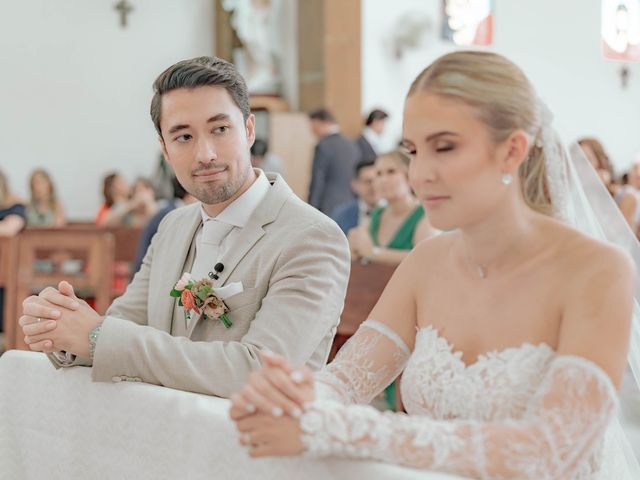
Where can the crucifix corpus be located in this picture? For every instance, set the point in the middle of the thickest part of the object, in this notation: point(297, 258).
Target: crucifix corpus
point(124, 8)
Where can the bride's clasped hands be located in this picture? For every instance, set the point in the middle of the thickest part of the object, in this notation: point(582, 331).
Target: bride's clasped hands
point(268, 410)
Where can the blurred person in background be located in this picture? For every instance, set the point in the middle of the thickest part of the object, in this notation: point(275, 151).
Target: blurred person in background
point(45, 208)
point(122, 206)
point(370, 141)
point(12, 211)
point(351, 214)
point(263, 159)
point(626, 196)
point(394, 229)
point(334, 161)
point(115, 191)
point(180, 198)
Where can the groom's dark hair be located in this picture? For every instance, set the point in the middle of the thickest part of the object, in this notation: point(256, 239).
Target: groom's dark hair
point(200, 72)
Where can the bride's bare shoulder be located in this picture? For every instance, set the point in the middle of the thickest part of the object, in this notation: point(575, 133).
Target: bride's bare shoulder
point(580, 254)
point(429, 251)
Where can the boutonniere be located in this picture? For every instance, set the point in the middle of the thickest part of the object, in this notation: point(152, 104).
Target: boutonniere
point(200, 298)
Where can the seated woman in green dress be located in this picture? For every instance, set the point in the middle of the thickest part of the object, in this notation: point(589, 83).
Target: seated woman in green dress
point(392, 230)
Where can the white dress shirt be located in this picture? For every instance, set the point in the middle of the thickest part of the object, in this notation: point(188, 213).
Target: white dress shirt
point(235, 216)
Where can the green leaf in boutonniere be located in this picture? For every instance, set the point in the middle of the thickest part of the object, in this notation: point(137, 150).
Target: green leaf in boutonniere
point(175, 293)
point(226, 321)
point(204, 291)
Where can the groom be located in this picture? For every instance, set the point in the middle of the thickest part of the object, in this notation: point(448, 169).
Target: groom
point(284, 266)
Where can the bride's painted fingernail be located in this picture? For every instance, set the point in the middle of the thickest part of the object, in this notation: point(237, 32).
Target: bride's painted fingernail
point(250, 408)
point(296, 376)
point(276, 412)
point(296, 413)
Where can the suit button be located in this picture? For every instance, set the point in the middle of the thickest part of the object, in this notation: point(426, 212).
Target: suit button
point(116, 379)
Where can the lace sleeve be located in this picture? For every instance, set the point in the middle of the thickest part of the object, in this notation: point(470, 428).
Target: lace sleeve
point(364, 366)
point(556, 438)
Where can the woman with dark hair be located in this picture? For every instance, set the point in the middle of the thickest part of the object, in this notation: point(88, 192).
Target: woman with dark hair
point(115, 192)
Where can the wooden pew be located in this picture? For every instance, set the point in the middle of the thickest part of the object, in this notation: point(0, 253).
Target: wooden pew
point(366, 284)
point(85, 258)
point(8, 268)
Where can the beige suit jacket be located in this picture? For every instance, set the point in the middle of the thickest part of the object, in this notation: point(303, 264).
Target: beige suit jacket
point(293, 262)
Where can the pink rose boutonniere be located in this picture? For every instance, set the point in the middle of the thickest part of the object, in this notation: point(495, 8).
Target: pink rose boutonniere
point(200, 298)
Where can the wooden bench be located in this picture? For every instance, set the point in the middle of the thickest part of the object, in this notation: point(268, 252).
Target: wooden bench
point(8, 262)
point(44, 257)
point(366, 284)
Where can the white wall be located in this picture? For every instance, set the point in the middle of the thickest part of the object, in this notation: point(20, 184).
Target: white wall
point(555, 42)
point(75, 88)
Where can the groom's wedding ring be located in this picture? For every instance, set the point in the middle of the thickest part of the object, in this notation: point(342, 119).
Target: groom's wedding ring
point(38, 320)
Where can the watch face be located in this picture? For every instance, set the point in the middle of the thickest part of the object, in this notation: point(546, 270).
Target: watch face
point(94, 333)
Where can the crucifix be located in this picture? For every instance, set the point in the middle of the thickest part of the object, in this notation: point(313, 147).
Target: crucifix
point(624, 76)
point(124, 8)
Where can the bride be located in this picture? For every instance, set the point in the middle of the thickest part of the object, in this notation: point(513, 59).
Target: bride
point(512, 329)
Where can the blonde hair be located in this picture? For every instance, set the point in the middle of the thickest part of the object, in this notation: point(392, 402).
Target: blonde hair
point(53, 198)
point(505, 102)
point(398, 156)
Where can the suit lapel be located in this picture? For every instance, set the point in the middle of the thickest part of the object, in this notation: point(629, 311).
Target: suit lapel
point(174, 264)
point(266, 213)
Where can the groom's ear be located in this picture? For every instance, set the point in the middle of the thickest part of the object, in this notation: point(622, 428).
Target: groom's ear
point(516, 148)
point(163, 147)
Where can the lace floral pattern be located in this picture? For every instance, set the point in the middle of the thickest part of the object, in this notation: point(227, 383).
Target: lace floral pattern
point(520, 413)
point(512, 376)
point(357, 376)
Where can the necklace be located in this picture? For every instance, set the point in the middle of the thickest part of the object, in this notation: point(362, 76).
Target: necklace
point(481, 269)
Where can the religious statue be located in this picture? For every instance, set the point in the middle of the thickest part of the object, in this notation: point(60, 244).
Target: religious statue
point(468, 22)
point(256, 24)
point(621, 29)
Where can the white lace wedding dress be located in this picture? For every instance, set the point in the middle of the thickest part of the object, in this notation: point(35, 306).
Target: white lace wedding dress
point(524, 412)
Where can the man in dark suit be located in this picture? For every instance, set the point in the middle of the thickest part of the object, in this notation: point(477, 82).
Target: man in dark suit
point(351, 214)
point(334, 162)
point(369, 141)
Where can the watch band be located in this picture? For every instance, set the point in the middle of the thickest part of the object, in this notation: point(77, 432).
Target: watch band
point(93, 339)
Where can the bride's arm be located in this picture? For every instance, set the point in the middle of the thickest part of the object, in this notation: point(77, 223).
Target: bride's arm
point(379, 350)
point(562, 427)
point(565, 420)
point(364, 366)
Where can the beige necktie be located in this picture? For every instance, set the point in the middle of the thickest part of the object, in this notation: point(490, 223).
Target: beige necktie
point(208, 248)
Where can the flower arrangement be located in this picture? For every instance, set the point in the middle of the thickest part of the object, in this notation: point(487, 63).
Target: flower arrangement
point(200, 298)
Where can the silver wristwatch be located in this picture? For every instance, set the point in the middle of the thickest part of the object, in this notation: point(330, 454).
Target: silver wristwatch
point(93, 338)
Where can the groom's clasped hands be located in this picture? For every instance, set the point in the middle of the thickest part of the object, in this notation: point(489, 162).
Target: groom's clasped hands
point(267, 410)
point(56, 320)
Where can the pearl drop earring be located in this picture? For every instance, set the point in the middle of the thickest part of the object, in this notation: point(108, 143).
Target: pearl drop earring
point(507, 178)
